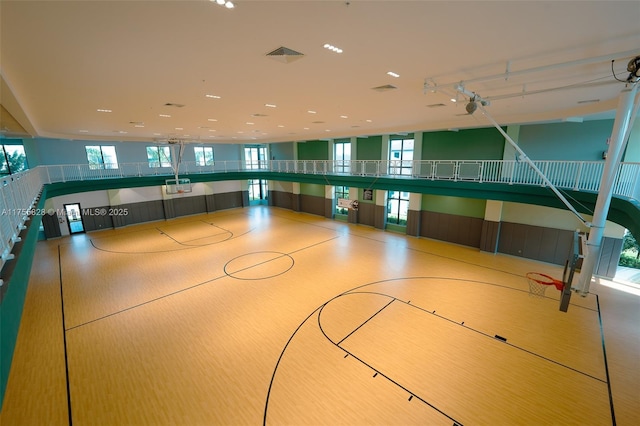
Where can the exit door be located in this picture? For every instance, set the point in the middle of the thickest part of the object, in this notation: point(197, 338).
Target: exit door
point(74, 218)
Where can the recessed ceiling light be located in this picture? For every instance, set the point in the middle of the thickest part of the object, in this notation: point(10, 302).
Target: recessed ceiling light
point(139, 125)
point(369, 121)
point(249, 123)
point(343, 116)
point(156, 134)
point(311, 112)
point(332, 48)
point(103, 110)
point(305, 128)
point(122, 132)
point(179, 128)
point(83, 131)
point(327, 130)
point(211, 119)
point(280, 125)
point(393, 74)
point(454, 100)
point(165, 115)
point(270, 105)
point(212, 130)
point(213, 96)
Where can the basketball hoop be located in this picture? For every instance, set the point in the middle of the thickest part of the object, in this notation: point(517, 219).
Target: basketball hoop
point(538, 283)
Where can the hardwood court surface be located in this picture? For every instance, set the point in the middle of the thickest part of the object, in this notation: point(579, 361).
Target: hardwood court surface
point(266, 316)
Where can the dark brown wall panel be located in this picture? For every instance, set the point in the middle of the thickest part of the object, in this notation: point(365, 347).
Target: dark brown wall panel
point(451, 228)
point(312, 204)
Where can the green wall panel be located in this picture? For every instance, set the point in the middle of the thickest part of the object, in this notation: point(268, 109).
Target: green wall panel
point(471, 207)
point(473, 144)
point(312, 189)
point(16, 290)
point(369, 148)
point(313, 150)
point(566, 141)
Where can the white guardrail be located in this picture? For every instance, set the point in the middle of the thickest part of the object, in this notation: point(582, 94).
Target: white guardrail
point(18, 192)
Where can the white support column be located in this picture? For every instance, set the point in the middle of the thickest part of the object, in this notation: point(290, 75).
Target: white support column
point(619, 137)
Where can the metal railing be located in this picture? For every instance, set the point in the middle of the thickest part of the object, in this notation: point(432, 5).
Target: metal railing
point(19, 192)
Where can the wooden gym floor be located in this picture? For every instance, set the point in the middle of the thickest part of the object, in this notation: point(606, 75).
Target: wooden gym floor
point(266, 316)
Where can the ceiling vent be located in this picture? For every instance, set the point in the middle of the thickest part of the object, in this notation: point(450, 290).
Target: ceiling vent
point(285, 55)
point(171, 104)
point(384, 88)
point(435, 105)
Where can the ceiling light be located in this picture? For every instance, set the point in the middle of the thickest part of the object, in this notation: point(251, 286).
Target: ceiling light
point(139, 125)
point(311, 112)
point(212, 130)
point(369, 121)
point(211, 119)
point(165, 115)
point(220, 2)
point(179, 128)
point(332, 48)
point(250, 123)
point(454, 100)
point(103, 110)
point(229, 5)
point(83, 131)
point(212, 96)
point(393, 74)
point(270, 105)
point(343, 116)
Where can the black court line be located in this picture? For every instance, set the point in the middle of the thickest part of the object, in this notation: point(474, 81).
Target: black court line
point(606, 365)
point(184, 243)
point(371, 366)
point(425, 251)
point(184, 246)
point(264, 262)
point(358, 327)
point(181, 290)
point(146, 302)
point(492, 337)
point(64, 340)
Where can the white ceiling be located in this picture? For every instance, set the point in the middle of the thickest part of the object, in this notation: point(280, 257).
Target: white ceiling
point(61, 61)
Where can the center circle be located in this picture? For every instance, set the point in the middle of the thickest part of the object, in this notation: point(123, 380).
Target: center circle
point(258, 265)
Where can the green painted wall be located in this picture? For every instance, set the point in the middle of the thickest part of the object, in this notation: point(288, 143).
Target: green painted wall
point(369, 148)
point(312, 189)
point(313, 150)
point(566, 141)
point(473, 144)
point(470, 207)
point(16, 290)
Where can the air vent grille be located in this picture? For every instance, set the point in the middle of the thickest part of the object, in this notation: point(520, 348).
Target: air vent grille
point(171, 104)
point(384, 88)
point(285, 55)
point(435, 105)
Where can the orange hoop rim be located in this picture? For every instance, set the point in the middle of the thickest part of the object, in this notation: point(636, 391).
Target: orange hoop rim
point(551, 281)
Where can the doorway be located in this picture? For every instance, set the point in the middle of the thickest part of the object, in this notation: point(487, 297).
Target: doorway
point(74, 218)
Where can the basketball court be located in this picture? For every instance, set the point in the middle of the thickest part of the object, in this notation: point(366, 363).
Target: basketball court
point(266, 316)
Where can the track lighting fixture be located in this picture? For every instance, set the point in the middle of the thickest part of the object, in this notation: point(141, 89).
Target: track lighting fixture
point(472, 106)
point(634, 68)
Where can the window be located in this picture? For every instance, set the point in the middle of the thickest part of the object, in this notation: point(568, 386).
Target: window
point(101, 157)
point(204, 155)
point(342, 157)
point(258, 190)
point(341, 192)
point(397, 207)
point(159, 156)
point(400, 156)
point(13, 159)
point(255, 157)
